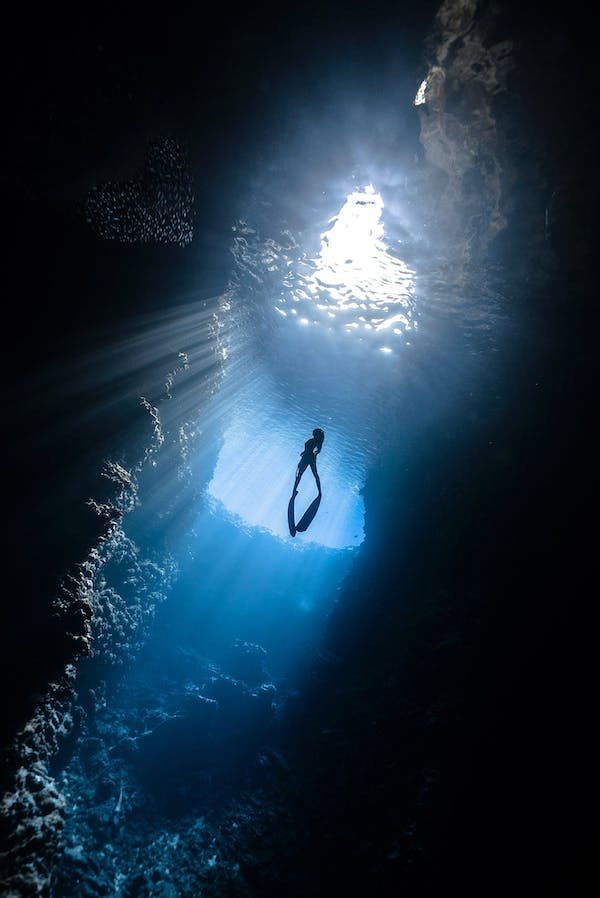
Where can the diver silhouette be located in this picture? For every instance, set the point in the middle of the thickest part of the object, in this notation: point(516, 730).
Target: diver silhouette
point(312, 447)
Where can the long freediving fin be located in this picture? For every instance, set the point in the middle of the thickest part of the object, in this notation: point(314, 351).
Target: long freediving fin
point(291, 523)
point(308, 516)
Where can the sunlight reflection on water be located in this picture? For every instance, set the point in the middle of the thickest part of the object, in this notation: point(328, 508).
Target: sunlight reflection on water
point(356, 284)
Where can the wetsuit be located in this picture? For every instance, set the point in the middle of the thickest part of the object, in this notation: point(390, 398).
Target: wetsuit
point(309, 457)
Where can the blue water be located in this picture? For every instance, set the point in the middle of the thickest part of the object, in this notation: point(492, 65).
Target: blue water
point(209, 614)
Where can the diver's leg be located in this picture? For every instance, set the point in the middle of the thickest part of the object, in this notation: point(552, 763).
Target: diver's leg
point(297, 480)
point(299, 472)
point(313, 467)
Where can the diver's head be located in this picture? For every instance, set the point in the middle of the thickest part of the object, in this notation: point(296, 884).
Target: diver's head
point(318, 434)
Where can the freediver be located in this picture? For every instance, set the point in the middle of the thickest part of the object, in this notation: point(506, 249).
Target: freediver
point(308, 456)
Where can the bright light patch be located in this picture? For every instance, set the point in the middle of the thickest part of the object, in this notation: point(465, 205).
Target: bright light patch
point(355, 271)
point(421, 97)
point(254, 476)
point(356, 231)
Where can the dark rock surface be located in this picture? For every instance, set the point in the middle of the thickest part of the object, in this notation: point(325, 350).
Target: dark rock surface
point(464, 143)
point(161, 779)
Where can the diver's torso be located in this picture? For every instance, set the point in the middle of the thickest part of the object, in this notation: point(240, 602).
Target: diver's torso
point(309, 448)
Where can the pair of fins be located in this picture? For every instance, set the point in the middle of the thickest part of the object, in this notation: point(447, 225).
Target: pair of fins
point(306, 519)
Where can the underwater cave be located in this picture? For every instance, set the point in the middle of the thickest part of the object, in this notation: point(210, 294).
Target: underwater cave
point(375, 223)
